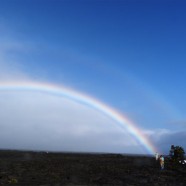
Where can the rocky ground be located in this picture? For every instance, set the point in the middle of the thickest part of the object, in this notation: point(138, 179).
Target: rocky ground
point(57, 169)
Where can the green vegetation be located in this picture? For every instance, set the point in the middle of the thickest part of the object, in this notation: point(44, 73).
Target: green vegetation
point(177, 153)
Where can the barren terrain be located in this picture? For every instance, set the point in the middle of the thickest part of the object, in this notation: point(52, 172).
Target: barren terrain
point(26, 168)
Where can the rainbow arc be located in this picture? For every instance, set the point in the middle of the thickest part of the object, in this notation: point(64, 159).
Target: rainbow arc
point(56, 90)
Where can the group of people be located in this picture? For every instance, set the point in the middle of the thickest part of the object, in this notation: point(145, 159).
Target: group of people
point(161, 160)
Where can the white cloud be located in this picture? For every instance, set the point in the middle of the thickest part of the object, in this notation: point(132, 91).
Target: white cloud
point(31, 120)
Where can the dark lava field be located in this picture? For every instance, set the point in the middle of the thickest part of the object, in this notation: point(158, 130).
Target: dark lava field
point(26, 168)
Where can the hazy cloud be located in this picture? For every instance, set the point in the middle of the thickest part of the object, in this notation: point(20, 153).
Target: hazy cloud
point(164, 138)
point(43, 122)
point(10, 68)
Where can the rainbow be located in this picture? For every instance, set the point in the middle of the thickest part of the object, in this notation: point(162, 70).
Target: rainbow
point(71, 94)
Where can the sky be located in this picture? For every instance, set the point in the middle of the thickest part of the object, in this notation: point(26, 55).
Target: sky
point(127, 55)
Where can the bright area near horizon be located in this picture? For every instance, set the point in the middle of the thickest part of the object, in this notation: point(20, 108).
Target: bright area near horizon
point(129, 55)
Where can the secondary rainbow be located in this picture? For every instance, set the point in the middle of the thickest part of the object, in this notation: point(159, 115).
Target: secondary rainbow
point(82, 98)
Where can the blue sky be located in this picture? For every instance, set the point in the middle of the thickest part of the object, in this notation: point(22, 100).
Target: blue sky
point(127, 54)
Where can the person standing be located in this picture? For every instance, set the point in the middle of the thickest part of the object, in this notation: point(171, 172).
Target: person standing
point(162, 162)
point(156, 156)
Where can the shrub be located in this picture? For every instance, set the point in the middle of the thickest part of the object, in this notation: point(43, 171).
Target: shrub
point(178, 153)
